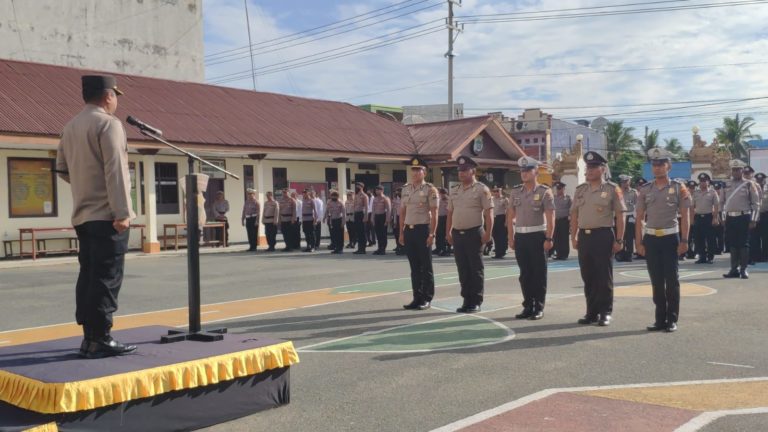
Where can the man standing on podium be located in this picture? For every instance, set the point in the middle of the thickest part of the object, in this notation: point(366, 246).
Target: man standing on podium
point(93, 158)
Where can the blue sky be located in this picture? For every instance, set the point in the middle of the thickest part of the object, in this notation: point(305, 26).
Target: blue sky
point(572, 68)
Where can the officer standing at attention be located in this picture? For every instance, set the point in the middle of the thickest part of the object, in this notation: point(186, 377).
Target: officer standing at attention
point(269, 218)
point(441, 247)
point(663, 200)
point(349, 208)
point(250, 219)
point(93, 158)
point(361, 209)
point(288, 220)
point(630, 198)
point(308, 220)
point(720, 229)
point(500, 204)
point(691, 185)
point(334, 215)
point(382, 212)
point(531, 224)
point(469, 210)
point(418, 211)
point(596, 204)
point(320, 210)
point(706, 215)
point(397, 226)
point(563, 203)
point(754, 234)
point(742, 208)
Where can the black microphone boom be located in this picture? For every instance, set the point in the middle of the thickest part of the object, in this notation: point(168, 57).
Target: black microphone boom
point(143, 126)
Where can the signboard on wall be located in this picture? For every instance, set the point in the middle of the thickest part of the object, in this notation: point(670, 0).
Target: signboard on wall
point(31, 187)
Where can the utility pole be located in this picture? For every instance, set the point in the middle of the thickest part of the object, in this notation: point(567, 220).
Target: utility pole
point(645, 142)
point(250, 45)
point(451, 24)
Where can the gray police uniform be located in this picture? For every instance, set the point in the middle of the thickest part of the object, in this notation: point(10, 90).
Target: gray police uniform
point(417, 202)
point(250, 216)
point(762, 227)
point(441, 246)
point(349, 208)
point(308, 218)
point(742, 206)
point(466, 206)
point(706, 204)
point(561, 246)
point(530, 233)
point(382, 207)
point(662, 205)
point(269, 217)
point(500, 243)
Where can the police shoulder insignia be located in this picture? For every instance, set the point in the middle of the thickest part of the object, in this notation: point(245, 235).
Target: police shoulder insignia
point(543, 186)
point(517, 186)
point(677, 181)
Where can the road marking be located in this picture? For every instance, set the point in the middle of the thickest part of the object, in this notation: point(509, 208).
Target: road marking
point(4, 342)
point(207, 312)
point(731, 364)
point(347, 292)
point(706, 418)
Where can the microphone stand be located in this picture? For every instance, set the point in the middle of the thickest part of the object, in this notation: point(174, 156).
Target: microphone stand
point(195, 331)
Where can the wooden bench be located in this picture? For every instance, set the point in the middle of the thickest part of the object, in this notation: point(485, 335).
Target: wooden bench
point(178, 237)
point(39, 246)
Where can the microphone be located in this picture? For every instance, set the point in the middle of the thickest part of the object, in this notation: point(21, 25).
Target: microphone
point(142, 126)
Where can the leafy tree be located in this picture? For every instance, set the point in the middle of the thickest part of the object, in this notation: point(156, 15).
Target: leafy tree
point(651, 141)
point(734, 135)
point(619, 138)
point(673, 146)
point(629, 163)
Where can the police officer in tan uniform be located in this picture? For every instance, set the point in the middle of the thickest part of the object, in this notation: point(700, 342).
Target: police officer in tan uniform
point(382, 209)
point(468, 212)
point(397, 225)
point(288, 222)
point(309, 217)
point(349, 208)
point(93, 158)
point(500, 204)
point(720, 229)
point(441, 246)
point(269, 218)
point(762, 225)
point(596, 204)
point(334, 216)
point(361, 210)
point(563, 203)
point(663, 200)
point(630, 198)
point(250, 219)
point(742, 209)
point(418, 211)
point(706, 215)
point(531, 223)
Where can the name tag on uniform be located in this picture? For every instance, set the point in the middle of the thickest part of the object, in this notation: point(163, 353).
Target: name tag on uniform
point(604, 195)
point(536, 197)
point(671, 191)
point(422, 193)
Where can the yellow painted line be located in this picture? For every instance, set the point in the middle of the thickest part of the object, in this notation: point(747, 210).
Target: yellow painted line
point(698, 397)
point(179, 317)
point(646, 290)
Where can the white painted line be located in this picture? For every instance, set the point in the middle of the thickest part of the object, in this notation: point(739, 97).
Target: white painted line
point(4, 342)
point(485, 415)
point(347, 292)
point(731, 364)
point(209, 312)
point(706, 418)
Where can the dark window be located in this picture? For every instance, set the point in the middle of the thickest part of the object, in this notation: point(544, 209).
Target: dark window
point(167, 188)
point(248, 181)
point(367, 166)
point(399, 176)
point(535, 140)
point(279, 179)
point(331, 175)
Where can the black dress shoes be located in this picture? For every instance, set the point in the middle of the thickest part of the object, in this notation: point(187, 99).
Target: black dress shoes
point(656, 327)
point(468, 309)
point(414, 305)
point(743, 274)
point(671, 328)
point(525, 314)
point(732, 274)
point(587, 320)
point(423, 306)
point(359, 252)
point(106, 347)
point(605, 320)
point(536, 316)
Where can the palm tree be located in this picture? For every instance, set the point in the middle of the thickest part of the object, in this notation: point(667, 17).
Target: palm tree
point(651, 141)
point(673, 146)
point(619, 138)
point(734, 135)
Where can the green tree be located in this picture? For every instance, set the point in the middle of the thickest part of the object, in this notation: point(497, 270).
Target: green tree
point(629, 162)
point(619, 139)
point(734, 135)
point(651, 141)
point(673, 146)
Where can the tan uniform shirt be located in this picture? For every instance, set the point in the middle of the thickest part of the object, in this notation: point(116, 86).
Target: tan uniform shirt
point(529, 205)
point(271, 211)
point(630, 199)
point(662, 204)
point(361, 203)
point(349, 208)
point(442, 208)
point(500, 206)
point(334, 210)
point(562, 206)
point(395, 208)
point(308, 210)
point(745, 199)
point(467, 204)
point(94, 151)
point(251, 208)
point(596, 207)
point(705, 201)
point(382, 205)
point(287, 209)
point(418, 200)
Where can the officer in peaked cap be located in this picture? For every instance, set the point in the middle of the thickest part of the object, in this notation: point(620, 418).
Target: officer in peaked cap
point(418, 212)
point(469, 224)
point(640, 182)
point(597, 203)
point(630, 198)
point(530, 226)
point(742, 208)
point(748, 172)
point(706, 215)
point(94, 85)
point(662, 201)
point(500, 205)
point(563, 202)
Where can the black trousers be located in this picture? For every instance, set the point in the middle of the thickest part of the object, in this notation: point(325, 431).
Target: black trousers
point(309, 233)
point(270, 230)
point(287, 229)
point(380, 223)
point(499, 233)
point(532, 261)
point(351, 232)
point(318, 234)
point(705, 236)
point(719, 238)
point(297, 234)
point(762, 228)
point(737, 228)
point(629, 238)
point(360, 236)
point(370, 232)
point(691, 253)
point(440, 243)
point(396, 232)
point(596, 264)
point(420, 260)
point(102, 260)
point(337, 234)
point(661, 260)
point(252, 228)
point(468, 253)
point(561, 243)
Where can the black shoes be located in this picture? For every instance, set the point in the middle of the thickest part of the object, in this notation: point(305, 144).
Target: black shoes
point(338, 251)
point(732, 274)
point(605, 320)
point(537, 316)
point(415, 305)
point(656, 327)
point(743, 274)
point(379, 252)
point(587, 320)
point(469, 309)
point(271, 249)
point(671, 328)
point(525, 314)
point(104, 347)
point(309, 250)
point(360, 252)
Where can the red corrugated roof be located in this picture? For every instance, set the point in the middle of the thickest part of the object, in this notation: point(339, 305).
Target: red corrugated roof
point(38, 99)
point(443, 138)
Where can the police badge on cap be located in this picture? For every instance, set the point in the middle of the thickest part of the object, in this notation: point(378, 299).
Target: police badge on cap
point(527, 163)
point(594, 158)
point(737, 164)
point(704, 177)
point(465, 162)
point(417, 162)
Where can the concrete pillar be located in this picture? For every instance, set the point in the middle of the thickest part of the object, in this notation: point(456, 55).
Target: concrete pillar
point(151, 245)
point(259, 183)
point(341, 174)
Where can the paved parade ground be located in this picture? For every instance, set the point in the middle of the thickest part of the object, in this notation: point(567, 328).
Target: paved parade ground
point(368, 365)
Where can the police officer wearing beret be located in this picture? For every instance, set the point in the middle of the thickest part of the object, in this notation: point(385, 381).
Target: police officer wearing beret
point(630, 198)
point(563, 202)
point(706, 215)
point(468, 227)
point(418, 211)
point(93, 158)
point(530, 223)
point(662, 201)
point(596, 204)
point(762, 225)
point(742, 209)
